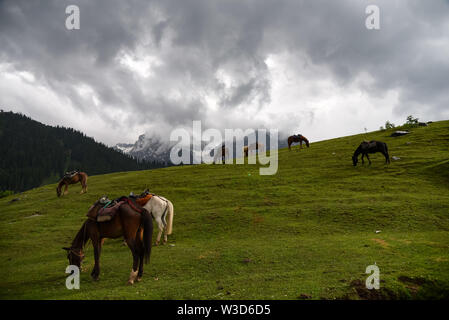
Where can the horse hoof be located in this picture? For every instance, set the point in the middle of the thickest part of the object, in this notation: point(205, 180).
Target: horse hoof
point(156, 243)
point(139, 279)
point(130, 282)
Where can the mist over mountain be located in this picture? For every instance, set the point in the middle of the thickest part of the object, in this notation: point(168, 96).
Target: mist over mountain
point(155, 149)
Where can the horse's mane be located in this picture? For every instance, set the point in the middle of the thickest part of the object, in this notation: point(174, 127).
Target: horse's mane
point(81, 237)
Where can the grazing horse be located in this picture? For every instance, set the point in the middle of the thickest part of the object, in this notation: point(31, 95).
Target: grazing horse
point(253, 147)
point(72, 178)
point(370, 147)
point(135, 227)
point(161, 209)
point(297, 138)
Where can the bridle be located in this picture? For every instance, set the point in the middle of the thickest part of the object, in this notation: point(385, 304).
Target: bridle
point(79, 255)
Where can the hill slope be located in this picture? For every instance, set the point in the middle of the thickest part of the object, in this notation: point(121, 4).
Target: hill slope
point(307, 231)
point(34, 154)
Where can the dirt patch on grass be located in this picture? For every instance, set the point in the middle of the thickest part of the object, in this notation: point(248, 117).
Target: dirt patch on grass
point(422, 288)
point(209, 255)
point(441, 259)
point(382, 242)
point(257, 218)
point(371, 294)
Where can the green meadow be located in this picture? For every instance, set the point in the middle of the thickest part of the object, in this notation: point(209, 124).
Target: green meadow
point(308, 232)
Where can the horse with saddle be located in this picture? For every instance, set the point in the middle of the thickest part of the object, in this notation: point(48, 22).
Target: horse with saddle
point(130, 217)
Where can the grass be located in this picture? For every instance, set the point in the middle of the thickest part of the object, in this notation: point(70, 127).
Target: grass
point(308, 231)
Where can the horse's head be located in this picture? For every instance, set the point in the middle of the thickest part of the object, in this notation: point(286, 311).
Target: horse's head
point(307, 142)
point(355, 159)
point(75, 256)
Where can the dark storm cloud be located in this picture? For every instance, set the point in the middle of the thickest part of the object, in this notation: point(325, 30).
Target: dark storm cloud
point(196, 40)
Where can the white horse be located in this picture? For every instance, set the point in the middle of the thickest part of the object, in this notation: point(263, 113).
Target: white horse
point(253, 148)
point(161, 208)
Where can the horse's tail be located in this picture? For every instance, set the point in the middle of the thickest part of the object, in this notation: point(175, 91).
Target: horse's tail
point(170, 217)
point(147, 234)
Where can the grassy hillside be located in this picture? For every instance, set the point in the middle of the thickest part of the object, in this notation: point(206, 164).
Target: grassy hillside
point(308, 231)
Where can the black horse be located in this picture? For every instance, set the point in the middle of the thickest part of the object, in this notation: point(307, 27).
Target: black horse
point(370, 147)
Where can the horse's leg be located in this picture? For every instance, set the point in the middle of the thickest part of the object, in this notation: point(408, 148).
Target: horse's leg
point(140, 272)
point(132, 246)
point(85, 185)
point(368, 159)
point(140, 248)
point(387, 158)
point(66, 187)
point(363, 161)
point(165, 235)
point(161, 228)
point(96, 243)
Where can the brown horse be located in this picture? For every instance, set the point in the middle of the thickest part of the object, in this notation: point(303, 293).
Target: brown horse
point(135, 227)
point(297, 138)
point(72, 179)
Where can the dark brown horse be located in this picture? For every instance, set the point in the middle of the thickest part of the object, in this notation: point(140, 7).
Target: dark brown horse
point(370, 147)
point(297, 138)
point(72, 179)
point(135, 227)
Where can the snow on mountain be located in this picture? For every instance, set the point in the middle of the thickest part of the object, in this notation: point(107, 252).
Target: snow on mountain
point(149, 149)
point(123, 147)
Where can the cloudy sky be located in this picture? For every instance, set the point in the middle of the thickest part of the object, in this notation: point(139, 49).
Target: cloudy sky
point(309, 67)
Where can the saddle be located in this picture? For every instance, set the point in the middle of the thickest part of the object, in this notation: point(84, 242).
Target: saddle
point(370, 144)
point(70, 174)
point(143, 198)
point(105, 209)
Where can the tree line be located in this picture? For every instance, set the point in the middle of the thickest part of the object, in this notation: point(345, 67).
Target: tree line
point(33, 154)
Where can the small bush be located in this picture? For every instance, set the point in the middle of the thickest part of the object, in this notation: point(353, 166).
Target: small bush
point(389, 125)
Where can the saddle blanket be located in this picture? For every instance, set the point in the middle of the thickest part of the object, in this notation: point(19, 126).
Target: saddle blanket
point(107, 213)
point(143, 201)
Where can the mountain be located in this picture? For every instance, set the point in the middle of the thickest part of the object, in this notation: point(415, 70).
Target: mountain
point(149, 149)
point(153, 149)
point(33, 154)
